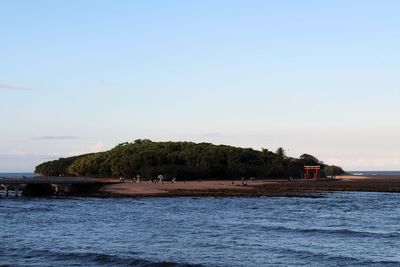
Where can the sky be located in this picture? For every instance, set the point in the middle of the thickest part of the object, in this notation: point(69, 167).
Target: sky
point(315, 77)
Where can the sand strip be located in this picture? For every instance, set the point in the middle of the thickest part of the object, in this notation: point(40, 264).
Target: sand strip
point(254, 188)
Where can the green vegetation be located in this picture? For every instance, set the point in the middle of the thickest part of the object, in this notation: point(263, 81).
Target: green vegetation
point(184, 160)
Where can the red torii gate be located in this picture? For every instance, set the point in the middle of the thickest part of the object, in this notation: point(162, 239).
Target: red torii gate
point(311, 168)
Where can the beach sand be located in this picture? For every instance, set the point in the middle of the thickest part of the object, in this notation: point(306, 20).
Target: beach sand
point(273, 187)
point(147, 188)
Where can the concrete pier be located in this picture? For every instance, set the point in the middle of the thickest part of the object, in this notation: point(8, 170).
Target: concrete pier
point(56, 189)
point(46, 185)
point(6, 189)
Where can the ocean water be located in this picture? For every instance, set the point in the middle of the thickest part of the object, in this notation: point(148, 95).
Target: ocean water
point(375, 172)
point(343, 228)
point(17, 175)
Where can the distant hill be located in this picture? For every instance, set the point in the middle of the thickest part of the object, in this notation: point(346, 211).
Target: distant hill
point(184, 160)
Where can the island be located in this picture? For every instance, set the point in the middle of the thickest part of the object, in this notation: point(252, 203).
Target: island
point(185, 161)
point(144, 168)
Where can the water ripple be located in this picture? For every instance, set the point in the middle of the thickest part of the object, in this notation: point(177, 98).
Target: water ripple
point(344, 228)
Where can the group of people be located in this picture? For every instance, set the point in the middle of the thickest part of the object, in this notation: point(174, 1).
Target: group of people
point(135, 179)
point(160, 179)
point(156, 180)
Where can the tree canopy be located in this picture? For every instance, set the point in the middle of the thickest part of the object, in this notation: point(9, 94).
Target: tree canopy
point(184, 160)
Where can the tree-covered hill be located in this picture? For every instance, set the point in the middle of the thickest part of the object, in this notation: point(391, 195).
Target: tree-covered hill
point(184, 160)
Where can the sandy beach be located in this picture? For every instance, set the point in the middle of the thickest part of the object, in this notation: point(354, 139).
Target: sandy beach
point(226, 188)
point(148, 189)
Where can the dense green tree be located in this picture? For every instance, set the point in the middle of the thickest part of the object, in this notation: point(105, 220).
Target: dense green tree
point(309, 159)
point(280, 152)
point(184, 160)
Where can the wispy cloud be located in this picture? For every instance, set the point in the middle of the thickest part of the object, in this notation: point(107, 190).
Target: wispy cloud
point(362, 163)
point(12, 87)
point(16, 152)
point(62, 137)
point(95, 148)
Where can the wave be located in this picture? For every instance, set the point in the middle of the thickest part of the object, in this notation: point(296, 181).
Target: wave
point(20, 209)
point(90, 258)
point(334, 231)
point(332, 260)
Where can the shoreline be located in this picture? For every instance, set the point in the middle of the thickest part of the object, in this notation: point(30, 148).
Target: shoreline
point(257, 188)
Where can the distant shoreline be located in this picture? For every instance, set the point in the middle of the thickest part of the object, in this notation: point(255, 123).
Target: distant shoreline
point(258, 188)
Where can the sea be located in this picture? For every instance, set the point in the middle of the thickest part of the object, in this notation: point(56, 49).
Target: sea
point(375, 172)
point(337, 229)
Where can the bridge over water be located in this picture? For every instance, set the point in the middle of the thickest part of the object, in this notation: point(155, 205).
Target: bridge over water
point(42, 184)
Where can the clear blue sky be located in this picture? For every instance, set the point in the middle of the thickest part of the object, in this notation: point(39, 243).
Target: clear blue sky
point(314, 77)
